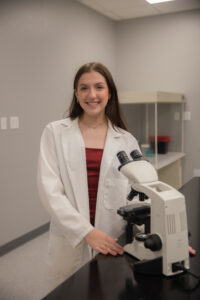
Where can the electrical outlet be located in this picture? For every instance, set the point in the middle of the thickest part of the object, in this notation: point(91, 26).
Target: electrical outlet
point(14, 122)
point(3, 123)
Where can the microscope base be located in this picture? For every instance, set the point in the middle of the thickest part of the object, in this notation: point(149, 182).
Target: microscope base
point(149, 267)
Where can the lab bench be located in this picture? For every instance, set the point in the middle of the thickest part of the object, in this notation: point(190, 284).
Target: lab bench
point(113, 278)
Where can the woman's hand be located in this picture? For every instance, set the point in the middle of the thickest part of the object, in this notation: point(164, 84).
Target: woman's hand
point(103, 243)
point(192, 251)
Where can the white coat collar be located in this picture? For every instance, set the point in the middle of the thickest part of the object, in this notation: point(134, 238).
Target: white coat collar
point(74, 153)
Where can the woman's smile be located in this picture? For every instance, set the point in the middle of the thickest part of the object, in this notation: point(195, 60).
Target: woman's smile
point(93, 104)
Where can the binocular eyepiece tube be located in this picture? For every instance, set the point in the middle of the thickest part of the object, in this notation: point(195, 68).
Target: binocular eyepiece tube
point(123, 157)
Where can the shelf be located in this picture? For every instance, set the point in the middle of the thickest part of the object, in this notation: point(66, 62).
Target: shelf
point(169, 165)
point(139, 97)
point(164, 160)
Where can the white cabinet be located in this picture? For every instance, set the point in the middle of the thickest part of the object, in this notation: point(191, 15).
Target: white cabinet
point(169, 165)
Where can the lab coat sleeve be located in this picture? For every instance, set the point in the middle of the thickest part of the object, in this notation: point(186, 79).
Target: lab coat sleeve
point(73, 225)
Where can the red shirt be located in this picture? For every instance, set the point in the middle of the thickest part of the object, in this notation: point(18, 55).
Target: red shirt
point(93, 160)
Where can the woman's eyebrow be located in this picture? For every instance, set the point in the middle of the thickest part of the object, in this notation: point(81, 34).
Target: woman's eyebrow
point(100, 82)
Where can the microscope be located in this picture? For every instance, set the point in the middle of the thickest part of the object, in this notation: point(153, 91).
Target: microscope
point(161, 247)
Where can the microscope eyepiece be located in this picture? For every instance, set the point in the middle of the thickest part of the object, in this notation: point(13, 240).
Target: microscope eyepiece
point(136, 155)
point(123, 158)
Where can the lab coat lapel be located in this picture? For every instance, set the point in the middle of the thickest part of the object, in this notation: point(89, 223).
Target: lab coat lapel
point(110, 150)
point(74, 154)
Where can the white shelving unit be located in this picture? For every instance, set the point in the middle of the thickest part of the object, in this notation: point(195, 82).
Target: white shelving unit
point(169, 165)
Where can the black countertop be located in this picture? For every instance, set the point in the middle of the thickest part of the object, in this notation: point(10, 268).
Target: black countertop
point(113, 278)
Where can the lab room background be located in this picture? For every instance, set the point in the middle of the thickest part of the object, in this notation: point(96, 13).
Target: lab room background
point(42, 44)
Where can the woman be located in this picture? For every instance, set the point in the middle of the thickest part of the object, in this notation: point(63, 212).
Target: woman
point(78, 178)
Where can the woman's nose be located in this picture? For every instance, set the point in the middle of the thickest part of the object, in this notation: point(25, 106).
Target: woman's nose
point(92, 93)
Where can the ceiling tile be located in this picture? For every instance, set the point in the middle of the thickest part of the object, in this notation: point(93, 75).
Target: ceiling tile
point(178, 5)
point(126, 9)
point(142, 11)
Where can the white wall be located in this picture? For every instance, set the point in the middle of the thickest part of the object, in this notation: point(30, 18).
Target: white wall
point(43, 42)
point(162, 53)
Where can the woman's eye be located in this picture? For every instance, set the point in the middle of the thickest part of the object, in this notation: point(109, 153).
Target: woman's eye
point(100, 87)
point(83, 88)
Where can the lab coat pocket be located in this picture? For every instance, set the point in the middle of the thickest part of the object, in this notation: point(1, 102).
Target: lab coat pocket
point(114, 193)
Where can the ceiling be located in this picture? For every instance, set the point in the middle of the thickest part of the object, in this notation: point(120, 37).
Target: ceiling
point(128, 9)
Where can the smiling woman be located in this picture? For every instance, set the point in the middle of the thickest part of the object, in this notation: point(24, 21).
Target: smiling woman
point(78, 178)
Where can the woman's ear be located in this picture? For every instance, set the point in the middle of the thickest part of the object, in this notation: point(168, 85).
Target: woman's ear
point(75, 94)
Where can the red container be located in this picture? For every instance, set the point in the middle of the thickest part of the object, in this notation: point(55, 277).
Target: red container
point(163, 141)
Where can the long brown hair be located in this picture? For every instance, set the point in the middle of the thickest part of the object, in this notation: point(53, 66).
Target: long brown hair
point(113, 110)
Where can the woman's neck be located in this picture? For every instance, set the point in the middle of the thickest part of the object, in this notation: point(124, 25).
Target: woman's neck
point(94, 122)
point(94, 131)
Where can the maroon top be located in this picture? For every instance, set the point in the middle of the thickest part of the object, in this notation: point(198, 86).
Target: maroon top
point(93, 160)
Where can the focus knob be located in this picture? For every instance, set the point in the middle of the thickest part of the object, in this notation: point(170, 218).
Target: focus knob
point(153, 242)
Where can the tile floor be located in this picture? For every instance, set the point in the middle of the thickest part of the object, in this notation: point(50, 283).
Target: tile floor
point(23, 274)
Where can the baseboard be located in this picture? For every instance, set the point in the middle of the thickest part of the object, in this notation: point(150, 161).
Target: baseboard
point(23, 239)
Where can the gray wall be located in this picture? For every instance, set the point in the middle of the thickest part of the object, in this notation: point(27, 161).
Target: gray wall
point(162, 53)
point(42, 44)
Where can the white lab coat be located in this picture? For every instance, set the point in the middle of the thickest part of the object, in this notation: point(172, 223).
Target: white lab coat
point(63, 189)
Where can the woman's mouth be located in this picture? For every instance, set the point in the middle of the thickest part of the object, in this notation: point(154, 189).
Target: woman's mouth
point(92, 103)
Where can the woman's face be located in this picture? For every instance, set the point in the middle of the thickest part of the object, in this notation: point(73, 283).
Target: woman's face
point(92, 93)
